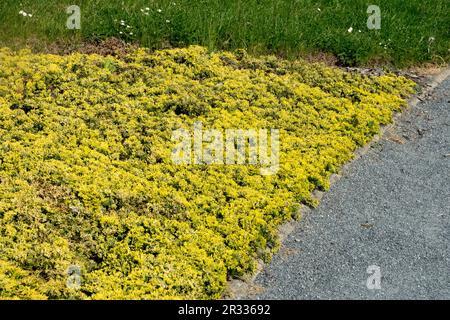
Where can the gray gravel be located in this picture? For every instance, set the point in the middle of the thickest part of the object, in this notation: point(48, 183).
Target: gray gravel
point(391, 209)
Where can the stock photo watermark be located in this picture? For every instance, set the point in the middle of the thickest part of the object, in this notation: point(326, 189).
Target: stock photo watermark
point(374, 280)
point(374, 20)
point(74, 20)
point(73, 277)
point(233, 146)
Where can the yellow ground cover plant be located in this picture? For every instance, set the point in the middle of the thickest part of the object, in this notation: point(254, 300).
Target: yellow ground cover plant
point(86, 177)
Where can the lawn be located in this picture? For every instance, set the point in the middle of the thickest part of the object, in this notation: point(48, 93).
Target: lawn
point(412, 32)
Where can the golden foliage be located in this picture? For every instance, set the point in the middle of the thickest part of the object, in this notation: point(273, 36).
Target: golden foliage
point(86, 177)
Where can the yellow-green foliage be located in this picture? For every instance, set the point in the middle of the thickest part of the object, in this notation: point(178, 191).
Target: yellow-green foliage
point(86, 176)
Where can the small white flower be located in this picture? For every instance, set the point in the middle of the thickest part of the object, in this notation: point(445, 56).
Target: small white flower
point(147, 8)
point(120, 32)
point(359, 31)
point(131, 33)
point(128, 27)
point(159, 10)
point(21, 12)
point(318, 9)
point(350, 30)
point(30, 15)
point(167, 21)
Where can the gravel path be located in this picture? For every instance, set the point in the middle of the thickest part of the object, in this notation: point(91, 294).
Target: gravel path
point(391, 209)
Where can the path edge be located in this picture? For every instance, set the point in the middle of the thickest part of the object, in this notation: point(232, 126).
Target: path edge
point(242, 288)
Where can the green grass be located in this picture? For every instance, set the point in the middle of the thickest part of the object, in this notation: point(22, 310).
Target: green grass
point(288, 28)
